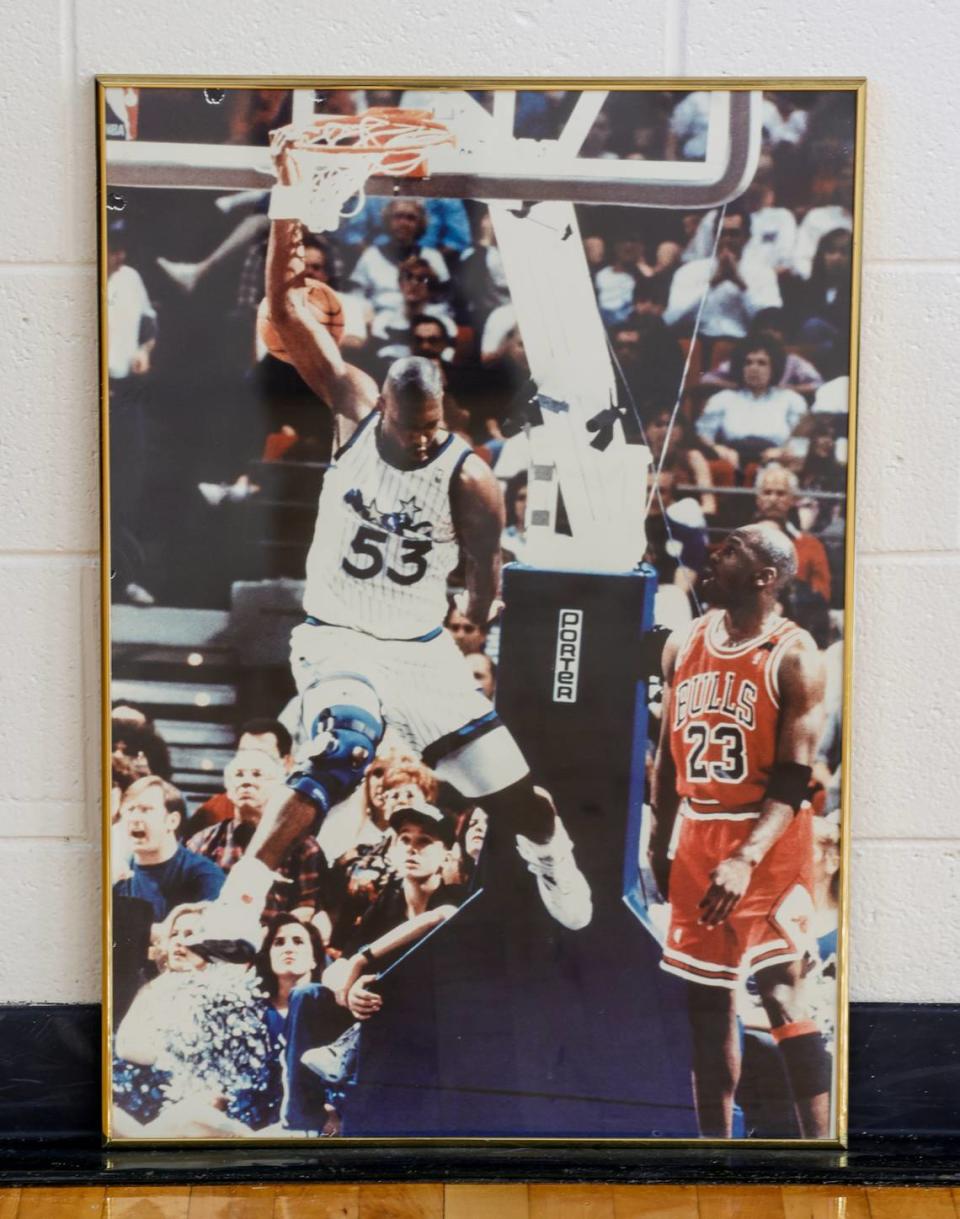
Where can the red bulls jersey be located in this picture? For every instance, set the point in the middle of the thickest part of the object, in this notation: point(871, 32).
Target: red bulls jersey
point(724, 715)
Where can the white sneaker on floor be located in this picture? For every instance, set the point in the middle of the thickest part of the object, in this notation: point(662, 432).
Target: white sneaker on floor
point(563, 887)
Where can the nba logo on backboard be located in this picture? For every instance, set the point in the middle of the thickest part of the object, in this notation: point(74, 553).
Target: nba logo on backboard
point(567, 666)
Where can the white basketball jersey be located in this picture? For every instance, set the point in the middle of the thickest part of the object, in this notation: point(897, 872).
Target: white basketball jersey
point(384, 541)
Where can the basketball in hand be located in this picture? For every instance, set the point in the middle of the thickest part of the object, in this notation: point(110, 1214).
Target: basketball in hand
point(321, 300)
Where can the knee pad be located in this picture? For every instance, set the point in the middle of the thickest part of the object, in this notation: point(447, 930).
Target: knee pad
point(344, 738)
point(806, 1058)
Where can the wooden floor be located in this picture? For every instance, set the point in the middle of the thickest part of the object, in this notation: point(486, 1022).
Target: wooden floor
point(478, 1202)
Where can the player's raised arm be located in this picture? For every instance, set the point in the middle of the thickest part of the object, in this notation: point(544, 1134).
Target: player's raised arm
point(664, 800)
point(479, 516)
point(349, 391)
point(802, 681)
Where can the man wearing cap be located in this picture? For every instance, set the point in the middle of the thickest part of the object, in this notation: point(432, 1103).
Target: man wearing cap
point(424, 835)
point(412, 904)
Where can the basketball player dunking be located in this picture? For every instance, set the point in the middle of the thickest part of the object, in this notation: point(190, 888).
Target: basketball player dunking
point(742, 714)
point(401, 501)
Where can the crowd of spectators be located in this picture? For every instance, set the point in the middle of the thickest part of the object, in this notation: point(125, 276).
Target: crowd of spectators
point(388, 865)
point(729, 333)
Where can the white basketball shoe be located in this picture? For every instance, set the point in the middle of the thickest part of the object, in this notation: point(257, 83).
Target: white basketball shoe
point(563, 887)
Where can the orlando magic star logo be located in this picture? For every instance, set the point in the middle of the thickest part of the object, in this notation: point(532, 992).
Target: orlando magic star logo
point(403, 521)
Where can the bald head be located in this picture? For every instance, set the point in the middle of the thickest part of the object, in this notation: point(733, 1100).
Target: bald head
point(412, 409)
point(411, 381)
point(776, 489)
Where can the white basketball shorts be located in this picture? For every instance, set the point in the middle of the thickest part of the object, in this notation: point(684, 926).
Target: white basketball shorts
point(425, 693)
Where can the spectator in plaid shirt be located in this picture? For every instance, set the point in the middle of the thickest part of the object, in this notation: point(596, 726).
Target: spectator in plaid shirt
point(253, 781)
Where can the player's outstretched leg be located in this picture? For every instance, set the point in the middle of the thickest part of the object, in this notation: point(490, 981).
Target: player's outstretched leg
point(805, 1056)
point(545, 847)
point(345, 733)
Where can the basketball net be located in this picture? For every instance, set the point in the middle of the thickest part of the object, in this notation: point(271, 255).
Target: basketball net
point(336, 154)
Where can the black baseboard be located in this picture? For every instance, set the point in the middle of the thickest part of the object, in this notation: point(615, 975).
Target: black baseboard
point(904, 1122)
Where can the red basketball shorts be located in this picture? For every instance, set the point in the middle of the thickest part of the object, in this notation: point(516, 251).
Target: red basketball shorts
point(773, 921)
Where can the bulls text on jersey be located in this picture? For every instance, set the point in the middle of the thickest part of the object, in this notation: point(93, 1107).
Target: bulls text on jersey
point(725, 714)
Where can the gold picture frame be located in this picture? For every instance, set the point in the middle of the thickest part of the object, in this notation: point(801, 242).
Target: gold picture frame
point(167, 148)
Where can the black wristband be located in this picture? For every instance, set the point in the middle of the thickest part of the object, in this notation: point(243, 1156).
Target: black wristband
point(789, 784)
point(367, 951)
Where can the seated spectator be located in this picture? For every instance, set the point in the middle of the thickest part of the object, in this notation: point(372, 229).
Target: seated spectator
point(650, 362)
point(595, 248)
point(430, 338)
point(407, 781)
point(682, 464)
point(773, 229)
point(821, 471)
point(472, 838)
point(757, 419)
point(140, 1087)
point(513, 538)
point(376, 277)
point(798, 373)
point(467, 635)
point(163, 873)
point(254, 781)
point(423, 835)
point(267, 735)
point(359, 822)
point(448, 226)
point(479, 280)
point(292, 955)
point(776, 488)
point(615, 282)
point(735, 289)
point(137, 749)
point(543, 113)
point(484, 673)
point(419, 287)
point(689, 128)
point(362, 871)
point(183, 926)
point(650, 296)
point(599, 141)
point(819, 308)
point(832, 192)
point(205, 1090)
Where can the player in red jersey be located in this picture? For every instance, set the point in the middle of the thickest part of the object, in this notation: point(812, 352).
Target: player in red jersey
point(742, 714)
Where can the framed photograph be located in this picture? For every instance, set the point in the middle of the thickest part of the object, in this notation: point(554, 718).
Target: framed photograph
point(478, 472)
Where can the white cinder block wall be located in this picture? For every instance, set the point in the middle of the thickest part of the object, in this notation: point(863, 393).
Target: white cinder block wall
point(906, 858)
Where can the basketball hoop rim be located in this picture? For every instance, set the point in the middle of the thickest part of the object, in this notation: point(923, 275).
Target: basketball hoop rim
point(387, 130)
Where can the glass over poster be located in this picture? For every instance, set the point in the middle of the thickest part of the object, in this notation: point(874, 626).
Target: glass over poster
point(478, 481)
